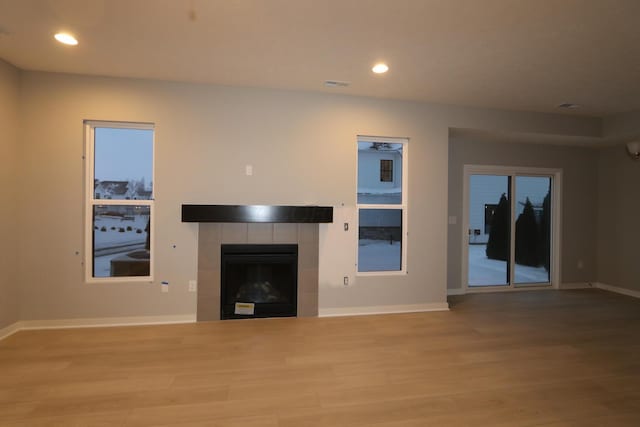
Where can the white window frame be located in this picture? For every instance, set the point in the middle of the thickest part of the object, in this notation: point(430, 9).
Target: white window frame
point(403, 205)
point(90, 201)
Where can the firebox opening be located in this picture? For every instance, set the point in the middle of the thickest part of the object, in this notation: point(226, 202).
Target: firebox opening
point(258, 281)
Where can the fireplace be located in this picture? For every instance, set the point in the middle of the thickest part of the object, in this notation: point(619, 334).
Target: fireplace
point(258, 280)
point(255, 225)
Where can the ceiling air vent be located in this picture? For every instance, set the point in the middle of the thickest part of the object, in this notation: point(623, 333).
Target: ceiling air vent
point(569, 105)
point(336, 83)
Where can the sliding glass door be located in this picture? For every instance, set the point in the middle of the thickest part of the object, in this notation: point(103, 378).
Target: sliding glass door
point(509, 228)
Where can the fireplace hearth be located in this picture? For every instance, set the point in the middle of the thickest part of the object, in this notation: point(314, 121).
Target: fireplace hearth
point(258, 280)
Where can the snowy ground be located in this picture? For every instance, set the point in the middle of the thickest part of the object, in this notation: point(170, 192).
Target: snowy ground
point(113, 238)
point(484, 271)
point(110, 244)
point(379, 255)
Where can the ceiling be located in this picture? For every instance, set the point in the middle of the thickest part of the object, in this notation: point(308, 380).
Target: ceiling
point(510, 54)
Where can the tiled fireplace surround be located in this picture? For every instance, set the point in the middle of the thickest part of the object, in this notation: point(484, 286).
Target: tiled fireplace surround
point(212, 235)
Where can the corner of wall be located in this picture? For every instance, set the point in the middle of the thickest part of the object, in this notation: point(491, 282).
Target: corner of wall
point(9, 159)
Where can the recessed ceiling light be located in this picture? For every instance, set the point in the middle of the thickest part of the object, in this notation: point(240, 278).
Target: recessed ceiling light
point(66, 38)
point(380, 68)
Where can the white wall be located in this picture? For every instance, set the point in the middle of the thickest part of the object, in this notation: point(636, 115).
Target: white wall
point(303, 150)
point(9, 101)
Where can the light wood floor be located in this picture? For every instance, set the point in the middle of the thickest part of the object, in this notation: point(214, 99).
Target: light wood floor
point(551, 358)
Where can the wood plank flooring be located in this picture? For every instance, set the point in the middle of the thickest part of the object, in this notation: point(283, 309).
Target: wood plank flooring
point(548, 358)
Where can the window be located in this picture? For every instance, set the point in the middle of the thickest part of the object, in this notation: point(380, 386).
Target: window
point(119, 201)
point(386, 170)
point(382, 208)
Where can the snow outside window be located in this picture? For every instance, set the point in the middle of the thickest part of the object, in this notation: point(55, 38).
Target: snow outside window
point(119, 208)
point(382, 222)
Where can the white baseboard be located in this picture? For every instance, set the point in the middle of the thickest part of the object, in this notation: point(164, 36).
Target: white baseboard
point(383, 309)
point(617, 289)
point(576, 285)
point(455, 291)
point(101, 322)
point(107, 321)
point(9, 330)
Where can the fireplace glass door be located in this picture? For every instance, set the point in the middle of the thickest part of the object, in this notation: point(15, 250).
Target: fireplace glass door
point(259, 281)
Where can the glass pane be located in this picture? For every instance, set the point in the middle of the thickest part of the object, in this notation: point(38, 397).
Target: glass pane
point(123, 164)
point(379, 173)
point(533, 229)
point(121, 240)
point(489, 230)
point(259, 282)
point(380, 240)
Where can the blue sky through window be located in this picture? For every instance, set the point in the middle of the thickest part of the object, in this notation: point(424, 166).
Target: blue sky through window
point(123, 154)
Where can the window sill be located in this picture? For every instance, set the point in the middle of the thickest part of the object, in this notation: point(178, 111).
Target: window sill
point(122, 279)
point(380, 273)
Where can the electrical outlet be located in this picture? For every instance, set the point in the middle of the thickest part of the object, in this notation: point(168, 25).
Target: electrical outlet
point(164, 286)
point(346, 280)
point(193, 286)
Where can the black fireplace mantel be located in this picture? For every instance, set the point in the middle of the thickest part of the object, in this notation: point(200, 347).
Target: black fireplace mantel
point(257, 213)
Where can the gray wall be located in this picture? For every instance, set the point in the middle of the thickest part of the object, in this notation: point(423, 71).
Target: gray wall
point(622, 127)
point(619, 207)
point(9, 100)
point(579, 198)
point(618, 215)
point(303, 150)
